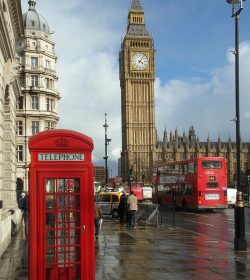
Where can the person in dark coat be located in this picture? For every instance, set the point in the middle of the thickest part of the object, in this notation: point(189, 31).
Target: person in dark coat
point(23, 204)
point(123, 207)
point(97, 218)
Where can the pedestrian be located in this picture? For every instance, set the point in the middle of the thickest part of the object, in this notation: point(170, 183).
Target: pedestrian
point(97, 217)
point(23, 204)
point(123, 207)
point(132, 203)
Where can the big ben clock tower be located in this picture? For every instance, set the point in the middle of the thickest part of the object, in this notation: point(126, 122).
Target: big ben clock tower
point(137, 75)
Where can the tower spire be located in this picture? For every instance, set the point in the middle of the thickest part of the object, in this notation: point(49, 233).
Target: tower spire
point(136, 20)
point(136, 5)
point(32, 5)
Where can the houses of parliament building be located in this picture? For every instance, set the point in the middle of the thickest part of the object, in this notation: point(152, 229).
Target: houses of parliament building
point(140, 147)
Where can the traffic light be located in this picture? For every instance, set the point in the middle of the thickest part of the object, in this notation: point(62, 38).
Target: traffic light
point(248, 175)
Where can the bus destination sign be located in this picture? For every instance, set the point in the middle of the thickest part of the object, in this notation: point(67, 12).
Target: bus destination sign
point(60, 157)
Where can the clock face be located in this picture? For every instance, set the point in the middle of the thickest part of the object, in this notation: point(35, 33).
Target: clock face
point(139, 61)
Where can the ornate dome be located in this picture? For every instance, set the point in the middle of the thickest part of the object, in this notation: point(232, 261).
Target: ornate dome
point(34, 21)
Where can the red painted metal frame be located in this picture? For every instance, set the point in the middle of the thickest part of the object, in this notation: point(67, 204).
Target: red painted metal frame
point(60, 141)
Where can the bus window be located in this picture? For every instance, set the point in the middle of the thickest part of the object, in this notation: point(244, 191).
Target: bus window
point(185, 168)
point(175, 169)
point(192, 167)
point(182, 169)
point(168, 169)
point(187, 190)
point(211, 164)
point(212, 185)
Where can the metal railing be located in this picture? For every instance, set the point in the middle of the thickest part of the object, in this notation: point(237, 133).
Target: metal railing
point(148, 214)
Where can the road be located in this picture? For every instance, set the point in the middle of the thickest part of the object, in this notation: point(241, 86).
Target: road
point(218, 224)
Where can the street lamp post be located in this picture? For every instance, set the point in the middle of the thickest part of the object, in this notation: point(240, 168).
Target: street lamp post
point(107, 141)
point(240, 243)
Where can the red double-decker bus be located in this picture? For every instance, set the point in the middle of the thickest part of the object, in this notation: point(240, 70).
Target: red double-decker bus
point(197, 183)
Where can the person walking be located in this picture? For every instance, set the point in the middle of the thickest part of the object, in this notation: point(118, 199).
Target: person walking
point(123, 207)
point(23, 204)
point(97, 217)
point(132, 203)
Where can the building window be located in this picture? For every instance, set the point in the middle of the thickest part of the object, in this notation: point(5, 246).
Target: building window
point(49, 104)
point(47, 83)
point(21, 80)
point(49, 125)
point(19, 155)
point(34, 102)
point(34, 62)
point(20, 102)
point(48, 64)
point(34, 80)
point(34, 127)
point(19, 125)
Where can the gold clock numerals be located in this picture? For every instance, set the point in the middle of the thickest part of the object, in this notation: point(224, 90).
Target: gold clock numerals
point(139, 61)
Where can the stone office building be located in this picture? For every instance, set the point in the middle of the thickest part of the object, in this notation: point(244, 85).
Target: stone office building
point(37, 106)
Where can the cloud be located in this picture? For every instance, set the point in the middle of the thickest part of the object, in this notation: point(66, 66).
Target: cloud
point(208, 104)
point(93, 91)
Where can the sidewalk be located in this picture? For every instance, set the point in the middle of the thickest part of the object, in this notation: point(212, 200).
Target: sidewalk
point(14, 262)
point(147, 253)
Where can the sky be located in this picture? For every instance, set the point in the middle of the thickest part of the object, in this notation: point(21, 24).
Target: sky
point(195, 67)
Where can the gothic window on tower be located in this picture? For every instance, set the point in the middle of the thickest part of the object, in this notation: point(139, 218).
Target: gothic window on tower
point(19, 125)
point(34, 80)
point(34, 102)
point(245, 166)
point(34, 127)
point(19, 153)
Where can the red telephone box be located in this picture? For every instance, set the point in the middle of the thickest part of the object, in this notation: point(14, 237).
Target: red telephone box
point(61, 203)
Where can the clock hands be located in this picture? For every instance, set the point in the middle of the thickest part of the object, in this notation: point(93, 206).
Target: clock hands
point(139, 61)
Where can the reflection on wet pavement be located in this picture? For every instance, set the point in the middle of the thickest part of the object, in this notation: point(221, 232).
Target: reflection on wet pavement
point(164, 253)
point(147, 254)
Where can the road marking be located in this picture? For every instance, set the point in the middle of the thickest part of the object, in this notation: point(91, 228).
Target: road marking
point(199, 223)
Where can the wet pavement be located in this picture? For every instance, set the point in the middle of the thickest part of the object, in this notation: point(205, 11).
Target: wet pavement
point(146, 253)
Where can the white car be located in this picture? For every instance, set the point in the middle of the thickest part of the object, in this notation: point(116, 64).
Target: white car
point(231, 195)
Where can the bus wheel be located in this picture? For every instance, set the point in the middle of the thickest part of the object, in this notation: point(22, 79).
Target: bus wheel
point(184, 205)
